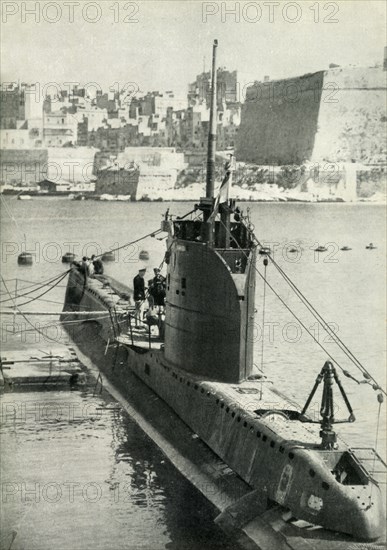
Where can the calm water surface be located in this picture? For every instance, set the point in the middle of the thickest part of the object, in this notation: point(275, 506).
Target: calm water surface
point(348, 289)
point(79, 474)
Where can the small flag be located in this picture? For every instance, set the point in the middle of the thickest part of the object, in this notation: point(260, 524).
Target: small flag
point(222, 196)
point(226, 183)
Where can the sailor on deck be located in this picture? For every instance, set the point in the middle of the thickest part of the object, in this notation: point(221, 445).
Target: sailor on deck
point(157, 290)
point(98, 265)
point(84, 268)
point(139, 295)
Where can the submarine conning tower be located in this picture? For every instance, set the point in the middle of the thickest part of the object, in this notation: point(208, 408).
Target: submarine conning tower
point(211, 282)
point(210, 303)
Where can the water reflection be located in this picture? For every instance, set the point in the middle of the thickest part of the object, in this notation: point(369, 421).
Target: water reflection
point(79, 473)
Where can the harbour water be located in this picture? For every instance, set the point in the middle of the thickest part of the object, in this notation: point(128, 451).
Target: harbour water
point(104, 446)
point(78, 473)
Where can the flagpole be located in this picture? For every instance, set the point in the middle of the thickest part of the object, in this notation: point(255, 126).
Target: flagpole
point(207, 203)
point(224, 206)
point(211, 148)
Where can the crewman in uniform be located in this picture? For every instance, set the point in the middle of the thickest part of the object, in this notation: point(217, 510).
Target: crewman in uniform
point(157, 290)
point(98, 265)
point(84, 268)
point(139, 295)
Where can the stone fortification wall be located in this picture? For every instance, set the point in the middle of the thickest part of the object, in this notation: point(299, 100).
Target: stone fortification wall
point(336, 115)
point(117, 181)
point(23, 167)
point(279, 121)
point(28, 167)
point(71, 164)
point(352, 118)
point(163, 157)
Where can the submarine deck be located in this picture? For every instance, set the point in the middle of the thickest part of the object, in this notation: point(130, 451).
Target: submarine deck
point(221, 486)
point(250, 399)
point(144, 338)
point(256, 399)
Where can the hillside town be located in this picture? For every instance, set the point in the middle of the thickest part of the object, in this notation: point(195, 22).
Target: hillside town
point(121, 144)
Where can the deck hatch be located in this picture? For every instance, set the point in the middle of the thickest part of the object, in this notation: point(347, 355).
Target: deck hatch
point(246, 390)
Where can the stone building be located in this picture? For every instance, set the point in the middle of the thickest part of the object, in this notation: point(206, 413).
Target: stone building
point(59, 129)
point(199, 91)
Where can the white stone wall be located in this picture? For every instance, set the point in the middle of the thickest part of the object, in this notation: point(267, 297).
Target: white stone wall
point(352, 121)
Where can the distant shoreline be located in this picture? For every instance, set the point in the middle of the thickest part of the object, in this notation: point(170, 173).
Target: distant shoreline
point(34, 195)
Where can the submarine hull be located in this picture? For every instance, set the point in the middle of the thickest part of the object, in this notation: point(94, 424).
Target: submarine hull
point(272, 452)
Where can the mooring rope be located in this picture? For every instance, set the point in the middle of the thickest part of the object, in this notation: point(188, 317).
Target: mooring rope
point(344, 371)
point(10, 214)
point(43, 293)
point(321, 321)
point(263, 326)
point(152, 234)
point(61, 276)
point(325, 326)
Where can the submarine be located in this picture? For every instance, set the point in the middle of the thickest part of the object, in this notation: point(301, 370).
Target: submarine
point(201, 364)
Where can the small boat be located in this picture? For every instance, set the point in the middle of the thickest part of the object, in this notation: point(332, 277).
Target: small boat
point(123, 198)
point(144, 255)
point(119, 198)
point(321, 249)
point(25, 258)
point(345, 248)
point(68, 258)
point(108, 256)
point(24, 197)
point(370, 246)
point(265, 251)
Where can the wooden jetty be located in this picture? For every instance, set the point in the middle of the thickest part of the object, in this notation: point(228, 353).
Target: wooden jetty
point(55, 367)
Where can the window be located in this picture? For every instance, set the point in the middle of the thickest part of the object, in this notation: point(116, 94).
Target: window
point(183, 282)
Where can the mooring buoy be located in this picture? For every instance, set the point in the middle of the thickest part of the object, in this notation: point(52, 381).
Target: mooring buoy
point(108, 256)
point(144, 255)
point(25, 258)
point(68, 258)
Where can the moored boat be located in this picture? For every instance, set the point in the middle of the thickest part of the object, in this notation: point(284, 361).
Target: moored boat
point(143, 255)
